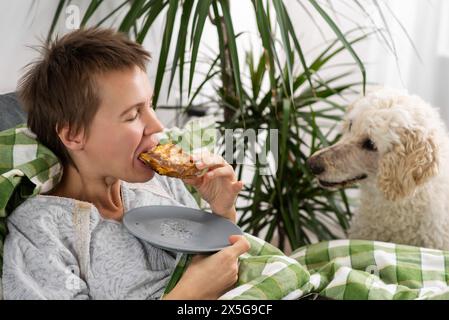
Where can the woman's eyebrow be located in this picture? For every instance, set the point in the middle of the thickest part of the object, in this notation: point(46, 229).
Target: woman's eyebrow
point(132, 107)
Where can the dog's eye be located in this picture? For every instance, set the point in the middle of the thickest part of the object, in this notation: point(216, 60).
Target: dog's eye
point(368, 144)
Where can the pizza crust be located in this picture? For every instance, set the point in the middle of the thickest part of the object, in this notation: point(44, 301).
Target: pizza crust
point(170, 160)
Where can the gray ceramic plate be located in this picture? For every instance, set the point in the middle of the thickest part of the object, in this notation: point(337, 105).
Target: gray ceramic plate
point(180, 229)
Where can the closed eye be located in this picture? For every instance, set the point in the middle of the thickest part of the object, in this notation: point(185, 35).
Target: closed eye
point(134, 117)
point(138, 108)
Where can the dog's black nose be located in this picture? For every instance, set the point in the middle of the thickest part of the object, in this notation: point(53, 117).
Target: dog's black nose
point(315, 165)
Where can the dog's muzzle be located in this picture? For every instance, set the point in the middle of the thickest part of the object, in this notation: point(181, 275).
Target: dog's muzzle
point(317, 166)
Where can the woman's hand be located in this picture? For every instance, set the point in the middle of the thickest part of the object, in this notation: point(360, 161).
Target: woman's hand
point(209, 277)
point(219, 186)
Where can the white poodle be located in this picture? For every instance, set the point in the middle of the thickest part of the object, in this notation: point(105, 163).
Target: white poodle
point(396, 147)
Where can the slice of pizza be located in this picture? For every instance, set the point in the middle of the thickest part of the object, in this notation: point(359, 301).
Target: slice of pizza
point(170, 160)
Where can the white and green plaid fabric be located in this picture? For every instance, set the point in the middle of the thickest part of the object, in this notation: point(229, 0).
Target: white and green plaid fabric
point(340, 269)
point(361, 269)
point(26, 169)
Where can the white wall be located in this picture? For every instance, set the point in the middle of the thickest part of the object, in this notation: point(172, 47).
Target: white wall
point(425, 72)
point(25, 24)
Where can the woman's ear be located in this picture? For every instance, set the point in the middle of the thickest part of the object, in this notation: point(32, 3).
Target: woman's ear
point(411, 163)
point(72, 141)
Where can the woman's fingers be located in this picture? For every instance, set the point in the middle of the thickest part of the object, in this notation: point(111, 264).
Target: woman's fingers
point(237, 186)
point(193, 181)
point(239, 245)
point(208, 160)
point(225, 171)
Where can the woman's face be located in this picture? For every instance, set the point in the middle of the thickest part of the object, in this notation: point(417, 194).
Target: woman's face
point(123, 127)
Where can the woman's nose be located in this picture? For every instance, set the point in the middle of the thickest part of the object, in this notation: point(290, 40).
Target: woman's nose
point(152, 123)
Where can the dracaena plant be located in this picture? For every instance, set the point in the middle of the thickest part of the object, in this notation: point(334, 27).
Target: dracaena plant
point(287, 203)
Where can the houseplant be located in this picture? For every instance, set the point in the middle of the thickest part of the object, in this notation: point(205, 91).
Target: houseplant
point(287, 202)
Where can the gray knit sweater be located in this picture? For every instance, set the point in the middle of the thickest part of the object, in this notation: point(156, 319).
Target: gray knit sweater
point(41, 260)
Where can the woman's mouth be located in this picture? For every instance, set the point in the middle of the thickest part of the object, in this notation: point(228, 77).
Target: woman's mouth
point(145, 149)
point(141, 163)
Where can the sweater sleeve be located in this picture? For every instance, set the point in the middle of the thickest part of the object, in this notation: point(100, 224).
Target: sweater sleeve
point(38, 263)
point(179, 191)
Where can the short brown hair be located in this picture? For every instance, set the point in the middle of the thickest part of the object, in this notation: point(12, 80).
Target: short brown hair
point(60, 87)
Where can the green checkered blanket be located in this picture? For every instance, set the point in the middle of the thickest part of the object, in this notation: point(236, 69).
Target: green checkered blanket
point(340, 269)
point(26, 169)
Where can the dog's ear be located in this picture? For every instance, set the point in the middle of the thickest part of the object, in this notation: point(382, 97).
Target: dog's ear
point(410, 163)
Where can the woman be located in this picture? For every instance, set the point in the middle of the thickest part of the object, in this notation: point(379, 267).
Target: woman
point(89, 100)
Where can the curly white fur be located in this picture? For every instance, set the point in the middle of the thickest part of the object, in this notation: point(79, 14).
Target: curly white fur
point(404, 178)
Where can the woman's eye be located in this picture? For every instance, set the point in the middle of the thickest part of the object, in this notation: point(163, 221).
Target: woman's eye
point(369, 145)
point(133, 118)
